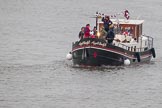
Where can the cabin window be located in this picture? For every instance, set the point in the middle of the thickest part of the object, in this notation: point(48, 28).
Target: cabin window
point(117, 29)
point(145, 43)
point(128, 29)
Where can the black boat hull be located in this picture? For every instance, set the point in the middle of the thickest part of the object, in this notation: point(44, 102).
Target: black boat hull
point(91, 53)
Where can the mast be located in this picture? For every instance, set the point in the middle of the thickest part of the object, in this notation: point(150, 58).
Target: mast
point(96, 20)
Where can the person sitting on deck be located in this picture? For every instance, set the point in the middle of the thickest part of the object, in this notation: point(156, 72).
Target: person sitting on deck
point(107, 22)
point(87, 31)
point(81, 33)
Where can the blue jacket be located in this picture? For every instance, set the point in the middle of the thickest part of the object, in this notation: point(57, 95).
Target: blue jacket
point(107, 23)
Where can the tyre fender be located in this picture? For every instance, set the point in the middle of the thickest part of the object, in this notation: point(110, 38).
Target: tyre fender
point(153, 52)
point(137, 55)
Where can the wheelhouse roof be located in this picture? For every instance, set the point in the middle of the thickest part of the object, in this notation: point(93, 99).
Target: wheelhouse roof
point(129, 22)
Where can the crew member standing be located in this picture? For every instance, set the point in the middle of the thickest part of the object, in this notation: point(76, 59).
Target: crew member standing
point(87, 31)
point(107, 22)
point(81, 33)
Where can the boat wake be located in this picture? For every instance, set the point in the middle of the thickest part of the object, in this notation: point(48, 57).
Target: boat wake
point(99, 68)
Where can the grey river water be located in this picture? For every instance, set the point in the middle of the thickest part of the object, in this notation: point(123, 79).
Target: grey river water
point(36, 35)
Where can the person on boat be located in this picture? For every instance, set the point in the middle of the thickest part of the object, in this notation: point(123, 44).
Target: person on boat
point(110, 35)
point(125, 33)
point(87, 31)
point(95, 31)
point(92, 34)
point(81, 33)
point(107, 22)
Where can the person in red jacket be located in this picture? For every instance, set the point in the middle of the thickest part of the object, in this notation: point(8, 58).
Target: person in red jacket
point(87, 31)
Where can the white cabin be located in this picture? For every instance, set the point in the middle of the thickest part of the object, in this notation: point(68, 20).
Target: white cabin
point(127, 33)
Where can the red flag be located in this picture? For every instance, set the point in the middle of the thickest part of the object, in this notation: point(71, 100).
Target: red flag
point(126, 14)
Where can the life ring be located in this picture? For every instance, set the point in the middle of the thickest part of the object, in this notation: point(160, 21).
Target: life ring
point(153, 52)
point(137, 55)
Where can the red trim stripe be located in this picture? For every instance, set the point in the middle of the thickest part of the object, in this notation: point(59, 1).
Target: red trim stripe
point(108, 49)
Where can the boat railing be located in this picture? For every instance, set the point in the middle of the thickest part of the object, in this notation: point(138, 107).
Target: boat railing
point(150, 41)
point(132, 48)
point(139, 49)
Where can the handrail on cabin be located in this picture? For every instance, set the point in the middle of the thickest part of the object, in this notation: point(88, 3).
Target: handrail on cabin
point(150, 45)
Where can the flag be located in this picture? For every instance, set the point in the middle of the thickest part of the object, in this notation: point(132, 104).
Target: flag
point(126, 14)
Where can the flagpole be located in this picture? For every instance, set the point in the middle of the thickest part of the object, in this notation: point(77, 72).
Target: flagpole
point(96, 20)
